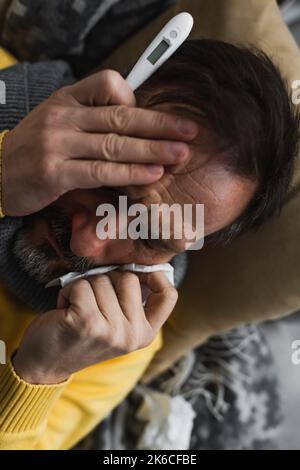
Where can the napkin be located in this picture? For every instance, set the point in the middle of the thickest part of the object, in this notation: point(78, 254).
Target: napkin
point(135, 268)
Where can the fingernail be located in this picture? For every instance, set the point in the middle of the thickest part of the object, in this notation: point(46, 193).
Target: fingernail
point(187, 127)
point(155, 169)
point(179, 151)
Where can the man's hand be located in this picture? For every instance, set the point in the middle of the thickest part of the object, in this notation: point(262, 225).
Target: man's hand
point(96, 320)
point(88, 135)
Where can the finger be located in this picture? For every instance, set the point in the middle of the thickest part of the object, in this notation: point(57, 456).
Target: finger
point(137, 122)
point(79, 297)
point(161, 300)
point(102, 88)
point(94, 174)
point(106, 298)
point(62, 300)
point(112, 147)
point(128, 289)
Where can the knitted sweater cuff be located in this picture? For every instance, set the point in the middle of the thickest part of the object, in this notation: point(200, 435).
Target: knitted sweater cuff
point(24, 406)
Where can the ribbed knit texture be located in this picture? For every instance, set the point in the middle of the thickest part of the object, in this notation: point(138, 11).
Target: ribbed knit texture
point(28, 404)
point(27, 85)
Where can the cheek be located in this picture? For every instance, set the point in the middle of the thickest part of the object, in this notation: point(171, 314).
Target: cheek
point(119, 251)
point(151, 259)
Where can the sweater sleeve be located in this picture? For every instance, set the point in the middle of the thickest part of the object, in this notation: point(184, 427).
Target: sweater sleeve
point(51, 417)
point(27, 85)
point(24, 409)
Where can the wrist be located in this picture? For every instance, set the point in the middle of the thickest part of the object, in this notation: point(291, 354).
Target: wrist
point(36, 375)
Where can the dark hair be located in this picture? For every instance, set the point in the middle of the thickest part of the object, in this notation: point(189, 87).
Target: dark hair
point(244, 100)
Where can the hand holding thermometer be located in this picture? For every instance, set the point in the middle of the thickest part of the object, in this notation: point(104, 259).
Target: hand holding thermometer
point(162, 47)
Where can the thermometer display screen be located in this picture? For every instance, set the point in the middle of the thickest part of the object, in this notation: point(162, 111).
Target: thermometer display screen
point(158, 52)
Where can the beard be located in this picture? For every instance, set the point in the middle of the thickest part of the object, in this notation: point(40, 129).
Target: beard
point(40, 260)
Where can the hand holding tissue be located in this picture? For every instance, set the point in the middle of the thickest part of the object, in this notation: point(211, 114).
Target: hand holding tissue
point(132, 267)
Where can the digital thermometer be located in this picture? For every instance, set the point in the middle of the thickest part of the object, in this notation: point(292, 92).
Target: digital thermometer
point(162, 47)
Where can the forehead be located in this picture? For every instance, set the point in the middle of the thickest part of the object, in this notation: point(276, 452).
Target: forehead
point(180, 183)
point(203, 179)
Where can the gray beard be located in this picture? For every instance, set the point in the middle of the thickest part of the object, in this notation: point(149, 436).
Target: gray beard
point(40, 261)
point(27, 289)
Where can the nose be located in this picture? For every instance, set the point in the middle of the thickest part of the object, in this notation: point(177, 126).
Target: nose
point(84, 241)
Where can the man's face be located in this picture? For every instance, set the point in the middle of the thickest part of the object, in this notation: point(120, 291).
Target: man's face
point(63, 237)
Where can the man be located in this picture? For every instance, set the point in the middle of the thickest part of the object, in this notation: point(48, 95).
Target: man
point(256, 277)
point(97, 321)
point(241, 298)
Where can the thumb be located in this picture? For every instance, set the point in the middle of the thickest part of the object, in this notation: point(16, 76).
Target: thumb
point(103, 88)
point(64, 296)
point(161, 301)
point(62, 300)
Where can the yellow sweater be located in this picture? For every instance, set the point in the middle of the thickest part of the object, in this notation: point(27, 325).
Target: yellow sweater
point(58, 416)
